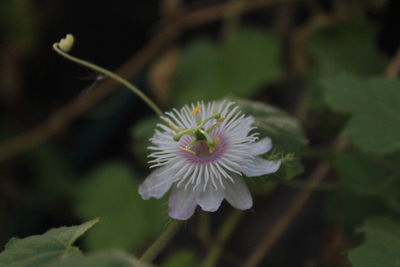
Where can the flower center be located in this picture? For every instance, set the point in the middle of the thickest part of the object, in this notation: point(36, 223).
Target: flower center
point(201, 140)
point(200, 153)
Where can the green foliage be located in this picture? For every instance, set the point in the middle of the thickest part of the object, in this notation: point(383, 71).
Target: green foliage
point(381, 246)
point(110, 192)
point(181, 258)
point(209, 71)
point(350, 47)
point(347, 46)
point(285, 132)
point(367, 175)
point(42, 250)
point(373, 104)
point(372, 185)
point(102, 259)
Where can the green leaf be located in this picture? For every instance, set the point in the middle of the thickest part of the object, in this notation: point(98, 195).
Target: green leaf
point(110, 192)
point(374, 104)
point(182, 258)
point(337, 48)
point(210, 71)
point(285, 132)
point(381, 246)
point(40, 250)
point(363, 174)
point(102, 259)
point(348, 46)
point(370, 176)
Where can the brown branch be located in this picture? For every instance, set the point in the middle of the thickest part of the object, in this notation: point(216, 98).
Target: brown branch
point(393, 68)
point(298, 202)
point(82, 103)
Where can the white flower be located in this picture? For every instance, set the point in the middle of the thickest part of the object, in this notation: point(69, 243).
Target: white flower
point(202, 153)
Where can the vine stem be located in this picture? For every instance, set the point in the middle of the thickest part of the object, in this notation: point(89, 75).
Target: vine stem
point(278, 229)
point(161, 242)
point(226, 230)
point(111, 75)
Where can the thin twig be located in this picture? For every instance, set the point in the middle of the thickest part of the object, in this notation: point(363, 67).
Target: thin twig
point(298, 202)
point(161, 242)
point(84, 102)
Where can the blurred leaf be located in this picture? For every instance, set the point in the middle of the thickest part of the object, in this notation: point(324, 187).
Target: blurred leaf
point(181, 259)
point(141, 133)
point(209, 71)
point(338, 48)
point(374, 105)
point(363, 175)
point(348, 46)
point(101, 259)
point(40, 250)
point(371, 176)
point(381, 246)
point(110, 192)
point(285, 132)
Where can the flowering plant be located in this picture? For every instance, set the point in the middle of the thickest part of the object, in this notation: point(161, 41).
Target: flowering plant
point(202, 152)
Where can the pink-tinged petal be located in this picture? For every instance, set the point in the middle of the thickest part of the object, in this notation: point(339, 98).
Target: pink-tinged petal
point(261, 147)
point(260, 166)
point(182, 203)
point(237, 193)
point(210, 199)
point(156, 185)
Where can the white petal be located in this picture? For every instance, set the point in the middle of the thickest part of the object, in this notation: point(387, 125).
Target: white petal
point(261, 147)
point(182, 202)
point(237, 193)
point(156, 185)
point(210, 199)
point(260, 166)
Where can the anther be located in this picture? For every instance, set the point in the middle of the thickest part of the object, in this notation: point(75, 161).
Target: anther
point(173, 127)
point(196, 109)
point(212, 147)
point(187, 150)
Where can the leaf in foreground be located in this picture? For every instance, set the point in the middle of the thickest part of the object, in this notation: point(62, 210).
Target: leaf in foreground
point(41, 250)
point(381, 246)
point(101, 259)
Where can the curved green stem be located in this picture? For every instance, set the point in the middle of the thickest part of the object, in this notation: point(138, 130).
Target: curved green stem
point(110, 74)
point(161, 242)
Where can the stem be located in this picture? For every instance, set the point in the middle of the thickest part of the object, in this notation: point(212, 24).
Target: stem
point(112, 75)
point(223, 235)
point(159, 244)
